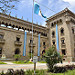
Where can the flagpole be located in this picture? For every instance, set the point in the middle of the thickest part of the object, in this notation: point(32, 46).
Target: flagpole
point(32, 30)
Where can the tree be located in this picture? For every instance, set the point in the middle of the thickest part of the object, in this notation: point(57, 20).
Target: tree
point(6, 5)
point(52, 57)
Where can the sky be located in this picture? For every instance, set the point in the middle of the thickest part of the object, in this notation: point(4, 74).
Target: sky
point(24, 8)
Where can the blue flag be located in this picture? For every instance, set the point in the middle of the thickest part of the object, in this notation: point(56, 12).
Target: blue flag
point(57, 39)
point(25, 39)
point(37, 10)
point(39, 45)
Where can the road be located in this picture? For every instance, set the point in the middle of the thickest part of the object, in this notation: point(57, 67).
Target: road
point(5, 67)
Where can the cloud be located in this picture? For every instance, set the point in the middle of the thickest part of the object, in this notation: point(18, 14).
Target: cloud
point(26, 4)
point(56, 6)
point(72, 2)
point(25, 8)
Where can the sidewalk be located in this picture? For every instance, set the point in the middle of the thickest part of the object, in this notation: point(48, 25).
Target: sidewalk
point(8, 62)
point(5, 67)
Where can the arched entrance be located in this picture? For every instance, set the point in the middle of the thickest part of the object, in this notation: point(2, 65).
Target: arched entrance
point(17, 51)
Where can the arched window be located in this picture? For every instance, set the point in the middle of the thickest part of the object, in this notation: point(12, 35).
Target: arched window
point(62, 31)
point(53, 42)
point(1, 36)
point(53, 34)
point(17, 51)
point(73, 31)
point(52, 25)
point(0, 50)
point(62, 40)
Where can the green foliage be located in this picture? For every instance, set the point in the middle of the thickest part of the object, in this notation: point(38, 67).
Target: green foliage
point(38, 72)
point(52, 57)
point(30, 55)
point(23, 62)
point(29, 72)
point(42, 61)
point(17, 56)
point(41, 72)
point(2, 73)
point(2, 62)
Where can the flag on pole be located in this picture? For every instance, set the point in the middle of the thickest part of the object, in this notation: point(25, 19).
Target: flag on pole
point(25, 39)
point(38, 11)
point(57, 39)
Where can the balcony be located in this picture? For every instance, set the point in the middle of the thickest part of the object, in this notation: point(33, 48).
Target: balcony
point(2, 41)
point(63, 45)
point(53, 36)
point(18, 43)
point(54, 46)
point(31, 44)
point(62, 34)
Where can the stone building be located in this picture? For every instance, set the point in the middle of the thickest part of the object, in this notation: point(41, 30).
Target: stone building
point(12, 35)
point(66, 33)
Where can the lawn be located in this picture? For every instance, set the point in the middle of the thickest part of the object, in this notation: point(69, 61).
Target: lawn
point(44, 72)
point(69, 72)
point(26, 62)
point(42, 62)
point(2, 62)
point(22, 62)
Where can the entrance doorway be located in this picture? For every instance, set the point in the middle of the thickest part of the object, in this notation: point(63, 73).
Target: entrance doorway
point(17, 51)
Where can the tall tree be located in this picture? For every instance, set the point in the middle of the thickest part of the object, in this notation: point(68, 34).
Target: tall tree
point(6, 5)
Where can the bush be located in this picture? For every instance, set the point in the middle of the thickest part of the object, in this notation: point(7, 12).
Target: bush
point(51, 58)
point(29, 72)
point(61, 69)
point(17, 56)
point(12, 72)
point(40, 72)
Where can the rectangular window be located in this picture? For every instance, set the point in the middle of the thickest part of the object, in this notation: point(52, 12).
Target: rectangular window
point(1, 36)
point(74, 52)
point(17, 39)
point(63, 52)
point(43, 43)
point(0, 50)
point(31, 41)
point(62, 41)
point(53, 41)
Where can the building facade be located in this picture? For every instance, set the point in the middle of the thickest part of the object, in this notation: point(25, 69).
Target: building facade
point(12, 32)
point(12, 35)
point(65, 21)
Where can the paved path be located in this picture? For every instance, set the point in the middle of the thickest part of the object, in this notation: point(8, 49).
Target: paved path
point(5, 67)
point(8, 62)
point(10, 65)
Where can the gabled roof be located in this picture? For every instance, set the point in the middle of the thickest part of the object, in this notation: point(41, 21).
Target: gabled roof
point(61, 12)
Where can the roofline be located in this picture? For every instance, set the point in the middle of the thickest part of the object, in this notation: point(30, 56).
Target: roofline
point(59, 13)
point(21, 20)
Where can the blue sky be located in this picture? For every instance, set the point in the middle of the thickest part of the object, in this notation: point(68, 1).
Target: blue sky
point(24, 8)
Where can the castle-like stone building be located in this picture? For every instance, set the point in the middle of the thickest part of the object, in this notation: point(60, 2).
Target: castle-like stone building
point(12, 35)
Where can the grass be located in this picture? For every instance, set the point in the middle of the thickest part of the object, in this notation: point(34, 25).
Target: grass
point(22, 62)
point(2, 62)
point(44, 72)
point(26, 62)
point(69, 72)
point(42, 62)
